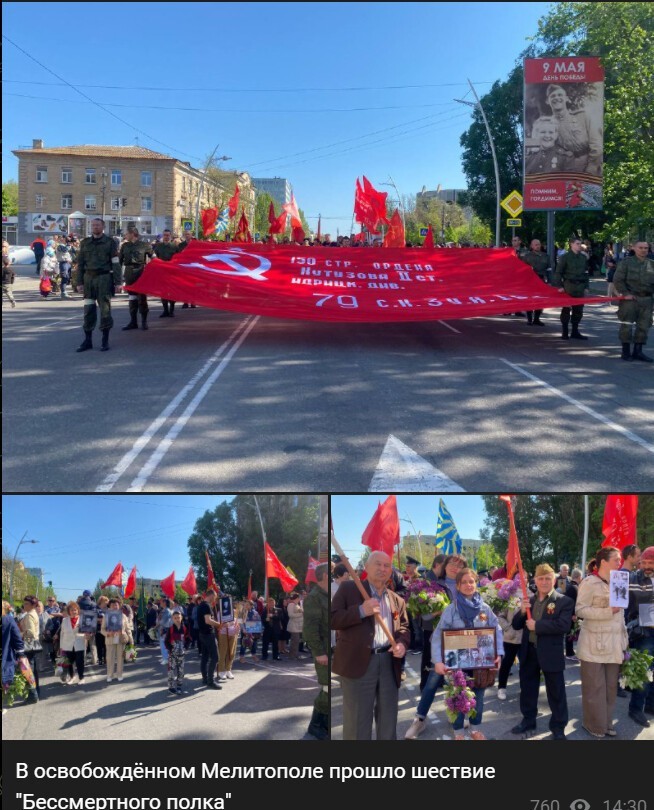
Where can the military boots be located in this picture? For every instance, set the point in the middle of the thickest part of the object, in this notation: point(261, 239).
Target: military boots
point(638, 353)
point(87, 343)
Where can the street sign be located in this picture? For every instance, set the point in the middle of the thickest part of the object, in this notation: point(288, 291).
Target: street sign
point(512, 204)
point(187, 224)
point(514, 223)
point(424, 231)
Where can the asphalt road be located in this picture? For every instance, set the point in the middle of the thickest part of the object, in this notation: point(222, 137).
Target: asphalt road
point(266, 700)
point(213, 401)
point(499, 716)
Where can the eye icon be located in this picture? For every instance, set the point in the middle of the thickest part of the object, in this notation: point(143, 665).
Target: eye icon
point(579, 804)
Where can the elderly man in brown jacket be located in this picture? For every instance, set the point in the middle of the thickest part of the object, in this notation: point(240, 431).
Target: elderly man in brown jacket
point(369, 666)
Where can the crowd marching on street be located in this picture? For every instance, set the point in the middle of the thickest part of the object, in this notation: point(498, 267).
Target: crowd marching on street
point(562, 609)
point(39, 639)
point(99, 266)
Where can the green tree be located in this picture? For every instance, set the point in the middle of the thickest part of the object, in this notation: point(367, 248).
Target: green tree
point(216, 532)
point(181, 597)
point(262, 205)
point(487, 556)
point(10, 198)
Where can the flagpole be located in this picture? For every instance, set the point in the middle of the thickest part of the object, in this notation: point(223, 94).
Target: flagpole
point(355, 578)
point(521, 570)
point(265, 564)
point(584, 552)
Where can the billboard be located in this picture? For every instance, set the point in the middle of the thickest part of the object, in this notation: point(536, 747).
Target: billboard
point(564, 133)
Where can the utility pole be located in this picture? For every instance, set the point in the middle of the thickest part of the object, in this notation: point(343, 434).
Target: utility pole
point(495, 164)
point(265, 556)
point(399, 199)
point(202, 179)
point(13, 566)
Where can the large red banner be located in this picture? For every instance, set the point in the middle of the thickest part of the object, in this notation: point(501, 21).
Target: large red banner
point(351, 284)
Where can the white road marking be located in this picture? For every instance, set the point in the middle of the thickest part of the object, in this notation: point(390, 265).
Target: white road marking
point(401, 469)
point(445, 323)
point(628, 434)
point(280, 671)
point(109, 482)
point(166, 443)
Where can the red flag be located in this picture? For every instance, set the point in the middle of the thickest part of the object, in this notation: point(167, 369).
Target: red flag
point(211, 582)
point(291, 209)
point(395, 235)
point(272, 217)
point(168, 586)
point(250, 587)
point(429, 239)
point(377, 199)
point(311, 570)
point(298, 235)
point(130, 587)
point(274, 568)
point(619, 525)
point(190, 585)
point(318, 234)
point(383, 531)
point(243, 231)
point(208, 217)
point(513, 559)
point(115, 577)
point(233, 202)
point(364, 211)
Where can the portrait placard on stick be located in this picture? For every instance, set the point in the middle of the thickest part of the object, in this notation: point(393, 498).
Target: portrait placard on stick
point(226, 609)
point(619, 584)
point(469, 649)
point(88, 621)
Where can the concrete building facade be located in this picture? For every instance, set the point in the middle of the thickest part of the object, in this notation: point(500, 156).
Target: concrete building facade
point(278, 187)
point(61, 189)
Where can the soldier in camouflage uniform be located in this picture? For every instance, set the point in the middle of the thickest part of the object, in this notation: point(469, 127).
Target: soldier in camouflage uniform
point(165, 250)
point(634, 280)
point(98, 276)
point(571, 277)
point(134, 255)
point(316, 634)
point(539, 262)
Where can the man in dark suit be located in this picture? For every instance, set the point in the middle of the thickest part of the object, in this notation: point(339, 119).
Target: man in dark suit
point(542, 651)
point(369, 666)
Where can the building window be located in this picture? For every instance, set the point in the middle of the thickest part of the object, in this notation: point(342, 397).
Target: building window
point(66, 175)
point(146, 203)
point(116, 177)
point(38, 201)
point(41, 174)
point(89, 202)
point(145, 226)
point(115, 203)
point(90, 176)
point(66, 202)
point(146, 179)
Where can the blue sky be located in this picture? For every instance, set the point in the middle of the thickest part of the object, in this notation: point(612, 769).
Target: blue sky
point(239, 55)
point(351, 514)
point(82, 537)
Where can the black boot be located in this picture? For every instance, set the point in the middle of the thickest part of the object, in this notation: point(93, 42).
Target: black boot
point(172, 309)
point(638, 353)
point(530, 318)
point(316, 728)
point(133, 311)
point(105, 340)
point(144, 321)
point(626, 351)
point(576, 334)
point(87, 343)
point(564, 331)
point(131, 325)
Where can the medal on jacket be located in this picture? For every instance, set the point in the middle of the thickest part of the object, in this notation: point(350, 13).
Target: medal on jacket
point(483, 617)
point(551, 608)
point(395, 615)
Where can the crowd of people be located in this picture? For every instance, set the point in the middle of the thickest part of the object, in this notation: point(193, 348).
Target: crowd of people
point(560, 609)
point(100, 265)
point(56, 637)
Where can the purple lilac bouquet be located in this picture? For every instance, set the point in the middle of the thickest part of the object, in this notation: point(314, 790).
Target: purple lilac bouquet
point(459, 697)
point(501, 594)
point(425, 598)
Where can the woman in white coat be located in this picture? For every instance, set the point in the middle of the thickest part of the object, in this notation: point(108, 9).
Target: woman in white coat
point(72, 644)
point(295, 623)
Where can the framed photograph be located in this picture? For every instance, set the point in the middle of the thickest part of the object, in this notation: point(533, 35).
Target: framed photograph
point(469, 649)
point(88, 621)
point(226, 609)
point(646, 615)
point(619, 584)
point(113, 621)
point(253, 627)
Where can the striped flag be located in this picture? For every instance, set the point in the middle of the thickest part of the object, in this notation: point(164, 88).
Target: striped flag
point(223, 221)
point(447, 537)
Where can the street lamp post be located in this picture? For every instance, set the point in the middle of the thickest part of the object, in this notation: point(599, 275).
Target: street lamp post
point(495, 164)
point(202, 179)
point(416, 535)
point(13, 566)
point(399, 199)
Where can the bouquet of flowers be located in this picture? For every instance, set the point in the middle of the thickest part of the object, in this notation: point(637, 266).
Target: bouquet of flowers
point(426, 598)
point(636, 670)
point(19, 687)
point(130, 653)
point(459, 697)
point(501, 594)
point(573, 632)
point(62, 665)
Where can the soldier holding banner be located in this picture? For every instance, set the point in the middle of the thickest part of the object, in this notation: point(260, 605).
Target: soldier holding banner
point(571, 277)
